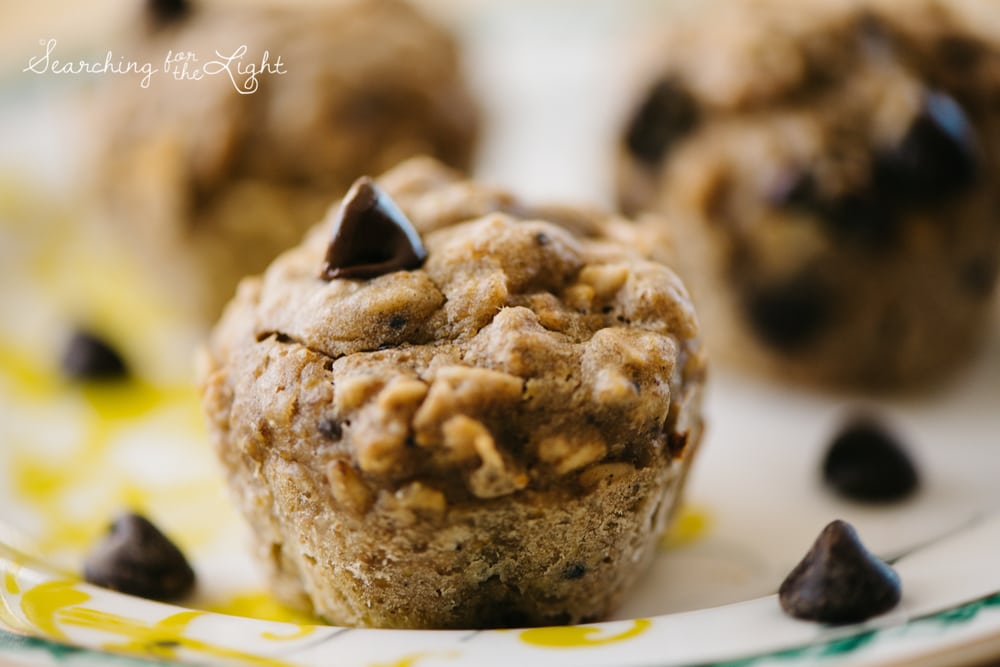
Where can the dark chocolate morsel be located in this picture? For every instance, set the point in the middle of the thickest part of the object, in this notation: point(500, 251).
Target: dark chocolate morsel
point(937, 158)
point(163, 12)
point(839, 580)
point(668, 113)
point(88, 357)
point(371, 236)
point(331, 429)
point(789, 315)
point(137, 559)
point(865, 462)
point(863, 219)
point(574, 571)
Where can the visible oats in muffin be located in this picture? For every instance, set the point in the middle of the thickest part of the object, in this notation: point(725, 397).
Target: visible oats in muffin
point(492, 429)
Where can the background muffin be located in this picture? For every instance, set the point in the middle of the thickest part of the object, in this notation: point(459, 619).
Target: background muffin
point(495, 438)
point(829, 176)
point(210, 184)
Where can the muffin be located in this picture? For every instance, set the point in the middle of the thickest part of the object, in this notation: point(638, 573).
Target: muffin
point(209, 179)
point(828, 170)
point(478, 419)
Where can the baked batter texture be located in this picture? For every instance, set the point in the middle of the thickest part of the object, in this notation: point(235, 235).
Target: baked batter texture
point(494, 438)
point(827, 171)
point(208, 185)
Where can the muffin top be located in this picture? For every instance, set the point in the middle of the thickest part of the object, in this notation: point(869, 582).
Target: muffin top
point(352, 84)
point(822, 108)
point(745, 55)
point(515, 355)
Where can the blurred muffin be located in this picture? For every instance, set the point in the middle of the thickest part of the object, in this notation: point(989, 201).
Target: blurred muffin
point(487, 427)
point(210, 185)
point(828, 172)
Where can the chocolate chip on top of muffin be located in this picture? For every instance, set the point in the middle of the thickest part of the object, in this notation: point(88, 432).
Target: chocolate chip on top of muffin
point(492, 435)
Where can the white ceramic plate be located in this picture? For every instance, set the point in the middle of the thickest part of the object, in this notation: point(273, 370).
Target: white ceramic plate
point(735, 540)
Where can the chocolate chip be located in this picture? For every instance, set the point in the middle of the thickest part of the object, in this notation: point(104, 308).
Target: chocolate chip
point(541, 238)
point(839, 581)
point(331, 429)
point(865, 462)
point(137, 559)
point(667, 114)
point(88, 357)
point(371, 236)
point(163, 12)
point(397, 322)
point(574, 571)
point(863, 219)
point(937, 158)
point(789, 315)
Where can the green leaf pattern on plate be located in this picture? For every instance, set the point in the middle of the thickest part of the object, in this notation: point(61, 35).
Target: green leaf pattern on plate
point(838, 648)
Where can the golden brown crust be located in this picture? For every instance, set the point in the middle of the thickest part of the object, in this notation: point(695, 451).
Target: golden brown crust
point(428, 446)
point(808, 216)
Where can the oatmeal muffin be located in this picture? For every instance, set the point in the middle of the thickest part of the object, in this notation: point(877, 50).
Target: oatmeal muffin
point(828, 173)
point(478, 420)
point(209, 184)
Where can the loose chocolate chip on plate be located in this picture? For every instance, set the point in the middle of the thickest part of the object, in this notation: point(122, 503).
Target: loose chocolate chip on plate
point(88, 357)
point(839, 580)
point(371, 236)
point(137, 559)
point(937, 158)
point(865, 462)
point(668, 113)
point(790, 315)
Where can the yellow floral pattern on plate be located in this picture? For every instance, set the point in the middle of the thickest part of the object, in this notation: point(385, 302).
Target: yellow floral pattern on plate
point(577, 636)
